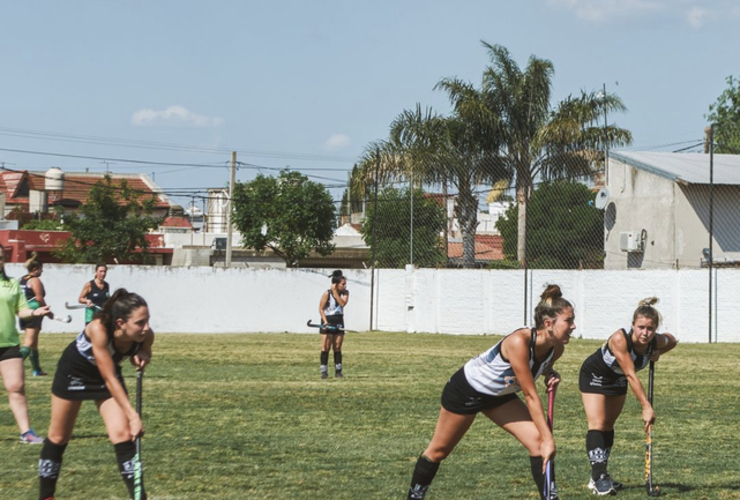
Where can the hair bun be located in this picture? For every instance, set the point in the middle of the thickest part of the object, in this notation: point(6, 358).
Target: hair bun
point(551, 292)
point(650, 301)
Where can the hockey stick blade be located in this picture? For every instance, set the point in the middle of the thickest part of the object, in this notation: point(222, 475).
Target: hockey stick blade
point(63, 319)
point(74, 306)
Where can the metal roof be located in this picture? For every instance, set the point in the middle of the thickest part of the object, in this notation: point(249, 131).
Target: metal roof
point(690, 168)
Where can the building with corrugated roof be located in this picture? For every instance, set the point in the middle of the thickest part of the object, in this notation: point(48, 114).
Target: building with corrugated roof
point(659, 208)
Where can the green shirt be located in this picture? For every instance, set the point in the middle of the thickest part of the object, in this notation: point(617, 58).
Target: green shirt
point(11, 301)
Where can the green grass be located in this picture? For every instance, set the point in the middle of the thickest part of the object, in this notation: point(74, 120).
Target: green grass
point(247, 417)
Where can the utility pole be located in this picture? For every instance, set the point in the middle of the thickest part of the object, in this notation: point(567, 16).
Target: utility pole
point(230, 209)
point(107, 163)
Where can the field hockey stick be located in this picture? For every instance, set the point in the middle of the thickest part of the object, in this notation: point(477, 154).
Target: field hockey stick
point(652, 491)
point(328, 327)
point(138, 469)
point(550, 489)
point(63, 319)
point(81, 306)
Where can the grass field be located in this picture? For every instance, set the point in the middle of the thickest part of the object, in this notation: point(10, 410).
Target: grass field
point(247, 417)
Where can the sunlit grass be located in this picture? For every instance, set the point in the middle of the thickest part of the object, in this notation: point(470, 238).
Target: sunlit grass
point(247, 417)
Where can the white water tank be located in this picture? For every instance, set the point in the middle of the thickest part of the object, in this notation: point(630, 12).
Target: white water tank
point(54, 179)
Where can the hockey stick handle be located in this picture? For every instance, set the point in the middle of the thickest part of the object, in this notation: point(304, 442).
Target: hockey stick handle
point(549, 474)
point(138, 467)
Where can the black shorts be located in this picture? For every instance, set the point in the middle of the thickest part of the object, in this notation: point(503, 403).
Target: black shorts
point(336, 321)
point(32, 322)
point(11, 352)
point(459, 396)
point(77, 379)
point(593, 383)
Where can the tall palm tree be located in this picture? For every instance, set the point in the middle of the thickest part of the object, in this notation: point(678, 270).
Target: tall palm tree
point(458, 150)
point(540, 143)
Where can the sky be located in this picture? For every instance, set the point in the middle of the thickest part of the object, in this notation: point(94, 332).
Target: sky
point(170, 88)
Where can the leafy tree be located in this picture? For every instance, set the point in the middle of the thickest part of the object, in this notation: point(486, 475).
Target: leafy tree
point(427, 148)
point(43, 225)
point(725, 115)
point(388, 232)
point(111, 225)
point(289, 214)
point(564, 232)
point(540, 143)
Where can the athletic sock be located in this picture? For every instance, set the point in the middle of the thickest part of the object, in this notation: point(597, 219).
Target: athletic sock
point(25, 351)
point(424, 473)
point(324, 361)
point(535, 466)
point(34, 355)
point(609, 442)
point(597, 452)
point(338, 361)
point(125, 453)
point(50, 464)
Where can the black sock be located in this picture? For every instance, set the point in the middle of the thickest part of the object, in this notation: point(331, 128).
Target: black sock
point(338, 360)
point(424, 473)
point(324, 360)
point(50, 464)
point(535, 465)
point(125, 453)
point(609, 442)
point(597, 452)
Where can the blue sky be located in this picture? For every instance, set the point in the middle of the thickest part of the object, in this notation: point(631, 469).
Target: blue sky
point(309, 83)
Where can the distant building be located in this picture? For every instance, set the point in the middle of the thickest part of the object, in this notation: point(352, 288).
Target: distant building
point(39, 192)
point(657, 210)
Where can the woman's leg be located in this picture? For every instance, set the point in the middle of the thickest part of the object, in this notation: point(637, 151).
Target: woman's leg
point(13, 378)
point(116, 424)
point(338, 341)
point(601, 413)
point(63, 415)
point(450, 429)
point(326, 341)
point(514, 418)
point(31, 344)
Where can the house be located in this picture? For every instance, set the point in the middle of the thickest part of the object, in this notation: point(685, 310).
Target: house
point(657, 210)
point(29, 194)
point(38, 192)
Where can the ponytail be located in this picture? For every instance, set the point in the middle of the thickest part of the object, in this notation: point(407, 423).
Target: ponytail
point(119, 306)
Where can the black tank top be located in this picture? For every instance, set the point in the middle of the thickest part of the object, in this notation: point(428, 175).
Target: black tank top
point(98, 296)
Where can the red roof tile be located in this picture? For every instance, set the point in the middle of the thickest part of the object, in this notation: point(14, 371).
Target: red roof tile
point(487, 247)
point(76, 186)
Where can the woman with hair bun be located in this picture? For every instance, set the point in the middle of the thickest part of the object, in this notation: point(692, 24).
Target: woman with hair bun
point(331, 309)
point(488, 384)
point(90, 369)
point(603, 382)
point(35, 295)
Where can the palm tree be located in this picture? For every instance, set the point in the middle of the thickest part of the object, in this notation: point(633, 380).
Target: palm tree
point(458, 150)
point(540, 143)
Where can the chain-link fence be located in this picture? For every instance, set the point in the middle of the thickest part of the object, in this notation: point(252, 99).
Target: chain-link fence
point(646, 211)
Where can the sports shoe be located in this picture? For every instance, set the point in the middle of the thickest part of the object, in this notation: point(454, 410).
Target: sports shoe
point(30, 437)
point(616, 484)
point(324, 375)
point(339, 374)
point(39, 373)
point(602, 486)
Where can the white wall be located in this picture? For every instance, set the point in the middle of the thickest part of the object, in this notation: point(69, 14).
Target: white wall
point(205, 299)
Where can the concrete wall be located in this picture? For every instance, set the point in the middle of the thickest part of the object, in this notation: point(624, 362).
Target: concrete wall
point(205, 299)
point(640, 201)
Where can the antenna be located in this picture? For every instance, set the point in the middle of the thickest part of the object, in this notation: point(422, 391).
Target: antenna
point(602, 198)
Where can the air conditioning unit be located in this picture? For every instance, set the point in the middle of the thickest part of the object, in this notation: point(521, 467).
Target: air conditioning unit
point(631, 241)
